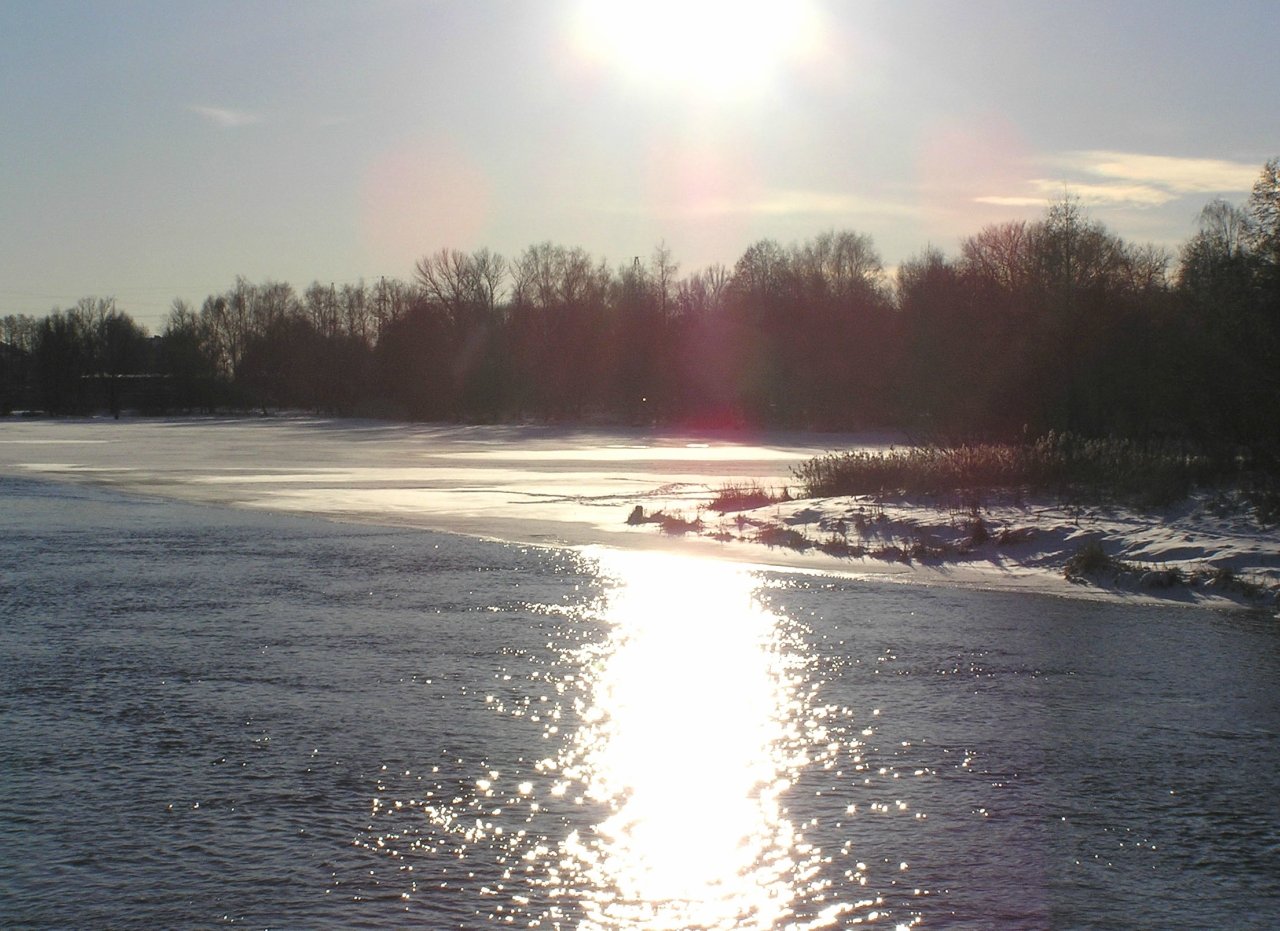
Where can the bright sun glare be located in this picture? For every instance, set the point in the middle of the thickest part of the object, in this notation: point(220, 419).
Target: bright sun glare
point(685, 740)
point(711, 46)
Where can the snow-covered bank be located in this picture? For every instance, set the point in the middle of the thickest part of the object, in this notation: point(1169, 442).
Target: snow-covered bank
point(1202, 551)
point(577, 487)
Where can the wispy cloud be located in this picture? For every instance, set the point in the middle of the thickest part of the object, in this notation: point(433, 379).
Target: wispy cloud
point(820, 203)
point(1096, 193)
point(1128, 179)
point(1011, 200)
point(1171, 173)
point(769, 203)
point(225, 117)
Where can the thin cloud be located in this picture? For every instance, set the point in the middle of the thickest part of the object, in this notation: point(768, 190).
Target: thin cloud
point(1129, 179)
point(225, 117)
point(1174, 174)
point(1093, 194)
point(820, 203)
point(770, 204)
point(1011, 200)
point(1107, 193)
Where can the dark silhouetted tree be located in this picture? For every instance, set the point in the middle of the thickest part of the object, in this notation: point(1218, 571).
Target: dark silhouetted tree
point(188, 357)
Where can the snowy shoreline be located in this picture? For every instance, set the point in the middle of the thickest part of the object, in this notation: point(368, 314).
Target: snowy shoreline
point(576, 487)
point(1194, 553)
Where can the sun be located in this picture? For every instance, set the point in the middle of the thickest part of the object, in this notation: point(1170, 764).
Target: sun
point(727, 47)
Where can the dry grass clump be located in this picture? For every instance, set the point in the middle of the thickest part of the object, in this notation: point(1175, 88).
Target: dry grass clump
point(1090, 559)
point(745, 497)
point(1091, 562)
point(1147, 473)
point(672, 524)
point(774, 535)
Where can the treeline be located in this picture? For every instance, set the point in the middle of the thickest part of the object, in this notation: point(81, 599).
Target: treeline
point(1051, 325)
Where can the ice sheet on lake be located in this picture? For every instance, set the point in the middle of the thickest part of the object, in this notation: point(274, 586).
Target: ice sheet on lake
point(576, 487)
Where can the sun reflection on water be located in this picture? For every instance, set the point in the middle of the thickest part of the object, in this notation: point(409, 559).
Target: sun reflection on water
point(688, 744)
point(663, 760)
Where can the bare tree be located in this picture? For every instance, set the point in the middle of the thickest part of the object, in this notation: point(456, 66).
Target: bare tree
point(271, 302)
point(229, 325)
point(390, 301)
point(703, 293)
point(357, 315)
point(320, 306)
point(1263, 230)
point(18, 331)
point(1073, 254)
point(761, 269)
point(533, 276)
point(1147, 267)
point(1225, 227)
point(546, 276)
point(842, 264)
point(1000, 254)
point(718, 279)
point(663, 271)
point(445, 277)
point(490, 274)
point(466, 286)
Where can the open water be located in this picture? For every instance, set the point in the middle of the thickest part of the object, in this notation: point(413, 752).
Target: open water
point(212, 717)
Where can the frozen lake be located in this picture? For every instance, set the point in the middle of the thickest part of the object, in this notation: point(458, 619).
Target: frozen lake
point(533, 484)
point(237, 717)
point(529, 484)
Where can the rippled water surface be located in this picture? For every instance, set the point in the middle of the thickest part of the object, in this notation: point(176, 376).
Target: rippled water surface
point(213, 717)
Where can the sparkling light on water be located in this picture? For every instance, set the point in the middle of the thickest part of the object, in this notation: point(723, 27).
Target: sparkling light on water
point(687, 773)
point(689, 745)
point(303, 724)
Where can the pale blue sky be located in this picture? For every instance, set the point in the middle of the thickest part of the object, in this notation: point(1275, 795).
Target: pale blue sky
point(153, 150)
